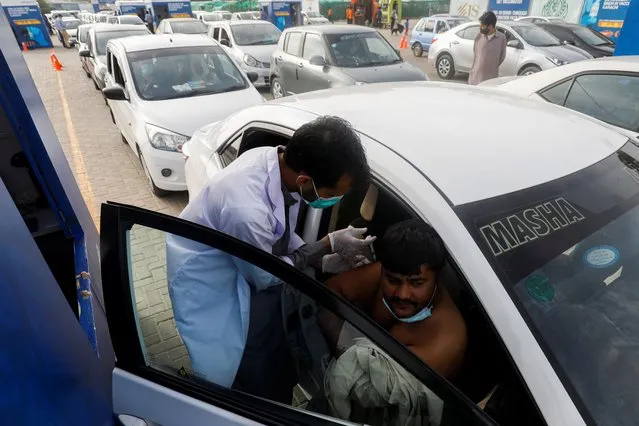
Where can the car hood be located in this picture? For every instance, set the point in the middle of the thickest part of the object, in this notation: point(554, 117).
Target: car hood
point(186, 115)
point(566, 53)
point(402, 71)
point(261, 53)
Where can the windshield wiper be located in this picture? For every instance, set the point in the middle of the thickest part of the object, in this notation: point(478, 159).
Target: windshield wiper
point(257, 43)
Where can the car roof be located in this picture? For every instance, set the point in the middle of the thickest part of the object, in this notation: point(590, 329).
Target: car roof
point(333, 29)
point(106, 28)
point(479, 143)
point(180, 19)
point(162, 41)
point(242, 22)
point(533, 83)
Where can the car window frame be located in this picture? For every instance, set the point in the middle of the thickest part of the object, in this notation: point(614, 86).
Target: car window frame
point(462, 32)
point(299, 47)
point(322, 41)
point(117, 219)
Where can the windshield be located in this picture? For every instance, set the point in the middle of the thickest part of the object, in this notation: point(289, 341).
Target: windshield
point(247, 15)
point(361, 50)
point(591, 37)
point(255, 34)
point(135, 20)
point(184, 72)
point(211, 17)
point(225, 16)
point(535, 36)
point(189, 27)
point(71, 24)
point(102, 38)
point(567, 252)
point(313, 15)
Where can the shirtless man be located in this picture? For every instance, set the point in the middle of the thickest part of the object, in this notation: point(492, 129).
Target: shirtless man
point(401, 293)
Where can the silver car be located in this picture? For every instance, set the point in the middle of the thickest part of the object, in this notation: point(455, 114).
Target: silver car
point(320, 57)
point(530, 50)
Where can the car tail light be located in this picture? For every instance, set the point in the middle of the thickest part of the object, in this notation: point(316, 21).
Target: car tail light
point(434, 39)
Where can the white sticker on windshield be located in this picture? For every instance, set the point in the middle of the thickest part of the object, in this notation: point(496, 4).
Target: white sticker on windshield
point(601, 256)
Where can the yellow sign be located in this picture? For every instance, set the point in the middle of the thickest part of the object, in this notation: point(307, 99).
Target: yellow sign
point(180, 15)
point(610, 24)
point(27, 22)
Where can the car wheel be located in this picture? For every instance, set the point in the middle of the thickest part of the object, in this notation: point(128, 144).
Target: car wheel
point(445, 66)
point(154, 189)
point(276, 88)
point(529, 70)
point(418, 50)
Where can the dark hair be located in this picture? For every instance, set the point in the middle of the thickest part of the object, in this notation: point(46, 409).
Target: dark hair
point(408, 245)
point(488, 18)
point(327, 148)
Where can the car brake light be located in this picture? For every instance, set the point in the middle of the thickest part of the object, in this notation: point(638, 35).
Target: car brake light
point(434, 39)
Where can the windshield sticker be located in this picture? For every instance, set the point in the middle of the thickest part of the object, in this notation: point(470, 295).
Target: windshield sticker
point(535, 222)
point(601, 256)
point(539, 287)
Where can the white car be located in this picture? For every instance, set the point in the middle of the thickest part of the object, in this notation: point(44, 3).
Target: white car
point(539, 222)
point(530, 50)
point(250, 43)
point(606, 88)
point(246, 16)
point(71, 25)
point(538, 19)
point(314, 18)
point(125, 19)
point(161, 88)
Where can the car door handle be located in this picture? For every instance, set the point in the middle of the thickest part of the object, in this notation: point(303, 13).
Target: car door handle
point(300, 65)
point(454, 42)
point(278, 59)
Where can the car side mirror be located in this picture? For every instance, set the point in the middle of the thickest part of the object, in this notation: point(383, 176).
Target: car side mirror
point(225, 42)
point(115, 93)
point(317, 60)
point(514, 43)
point(252, 76)
point(569, 42)
point(85, 53)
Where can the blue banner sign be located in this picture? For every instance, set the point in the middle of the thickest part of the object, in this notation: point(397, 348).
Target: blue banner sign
point(508, 10)
point(605, 16)
point(27, 23)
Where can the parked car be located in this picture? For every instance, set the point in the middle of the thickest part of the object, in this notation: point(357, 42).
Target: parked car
point(162, 88)
point(320, 57)
point(181, 26)
point(207, 17)
point(125, 19)
point(83, 44)
point(313, 18)
point(530, 50)
point(537, 228)
point(95, 53)
point(606, 88)
point(245, 16)
point(421, 37)
point(71, 27)
point(538, 19)
point(583, 37)
point(250, 44)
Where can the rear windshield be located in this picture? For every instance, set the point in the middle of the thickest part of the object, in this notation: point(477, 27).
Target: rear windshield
point(189, 27)
point(134, 20)
point(567, 252)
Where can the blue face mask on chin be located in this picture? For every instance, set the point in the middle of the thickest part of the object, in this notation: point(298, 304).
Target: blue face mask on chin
point(319, 202)
point(419, 316)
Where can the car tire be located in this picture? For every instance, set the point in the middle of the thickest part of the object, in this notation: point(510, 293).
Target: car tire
point(529, 70)
point(154, 189)
point(445, 66)
point(418, 49)
point(276, 88)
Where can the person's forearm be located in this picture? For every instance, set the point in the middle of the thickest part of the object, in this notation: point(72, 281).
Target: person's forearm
point(310, 254)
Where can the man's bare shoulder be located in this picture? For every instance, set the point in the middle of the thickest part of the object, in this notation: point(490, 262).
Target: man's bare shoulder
point(358, 284)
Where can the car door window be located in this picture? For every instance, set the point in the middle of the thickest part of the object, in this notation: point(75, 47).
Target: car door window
point(509, 36)
point(441, 27)
point(313, 46)
point(293, 43)
point(224, 35)
point(608, 97)
point(306, 348)
point(118, 76)
point(229, 154)
point(469, 33)
point(429, 26)
point(420, 26)
point(557, 93)
point(216, 33)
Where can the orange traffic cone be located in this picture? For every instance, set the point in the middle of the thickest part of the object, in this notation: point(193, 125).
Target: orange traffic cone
point(403, 44)
point(24, 46)
point(54, 61)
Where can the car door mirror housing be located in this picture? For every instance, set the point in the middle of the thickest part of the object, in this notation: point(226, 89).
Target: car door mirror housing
point(225, 42)
point(514, 43)
point(569, 42)
point(252, 76)
point(85, 53)
point(115, 93)
point(317, 60)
